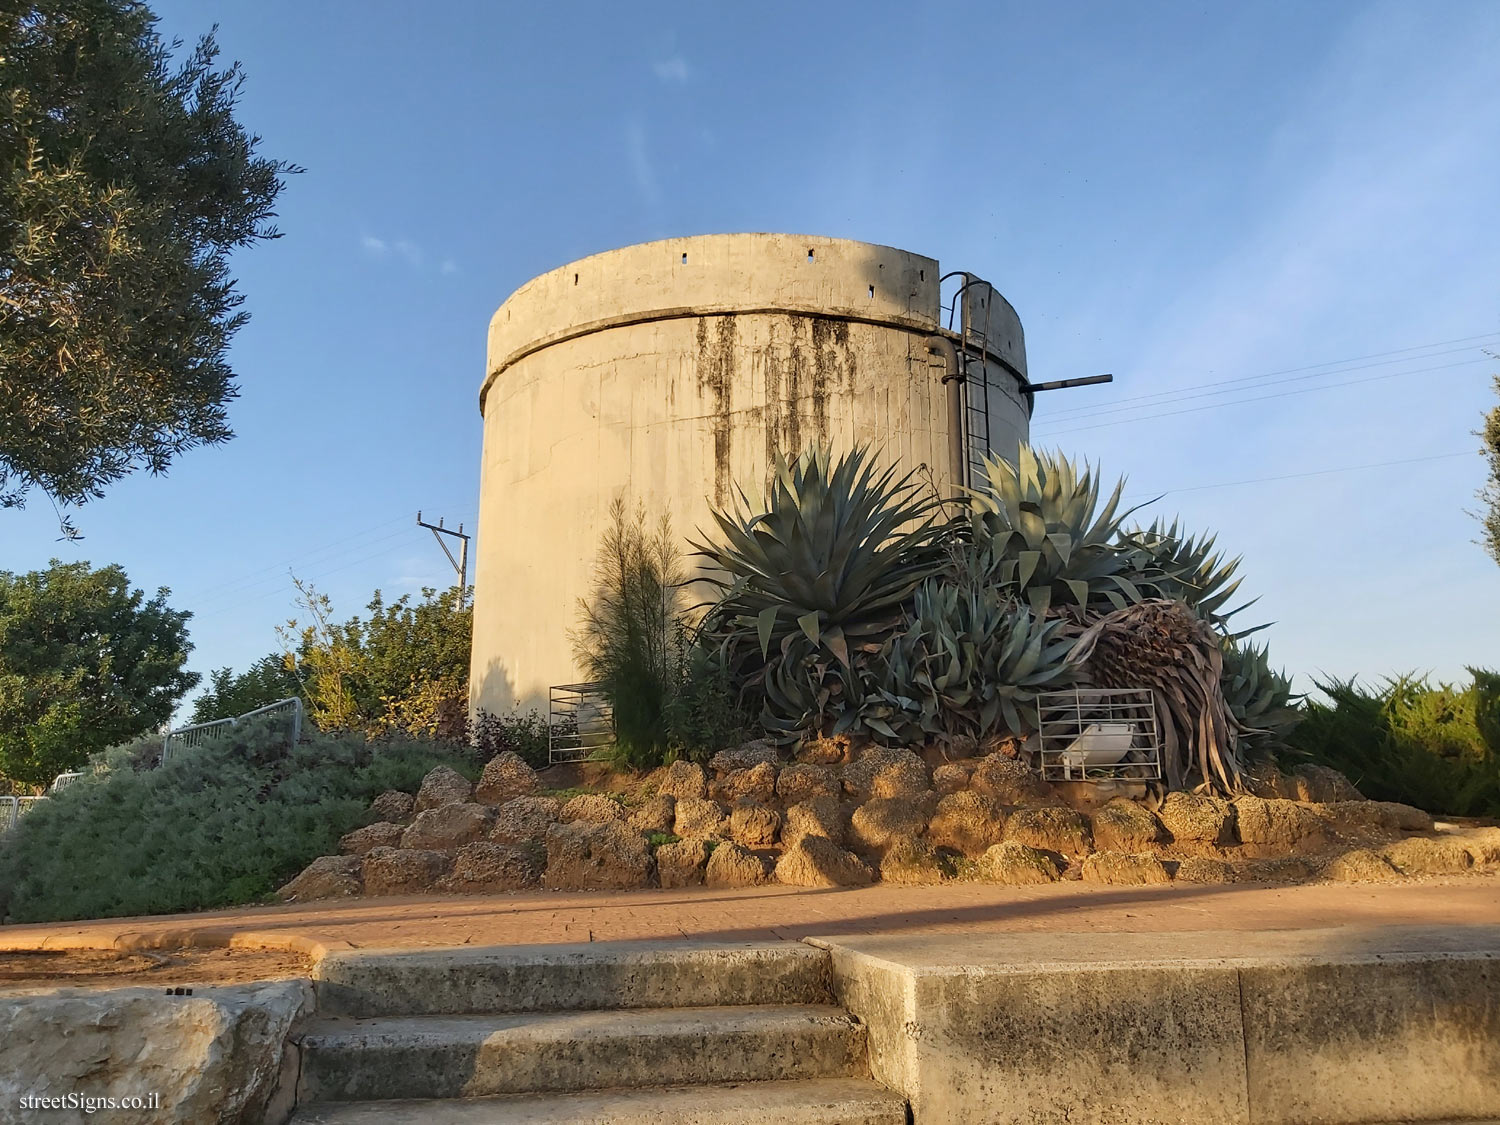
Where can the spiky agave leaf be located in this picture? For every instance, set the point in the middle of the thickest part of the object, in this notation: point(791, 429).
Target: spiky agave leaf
point(1260, 698)
point(1187, 568)
point(972, 662)
point(832, 553)
point(1038, 532)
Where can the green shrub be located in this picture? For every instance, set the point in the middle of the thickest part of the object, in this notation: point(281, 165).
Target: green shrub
point(220, 825)
point(521, 732)
point(1432, 746)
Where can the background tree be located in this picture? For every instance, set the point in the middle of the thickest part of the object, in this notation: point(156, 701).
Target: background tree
point(403, 668)
point(228, 694)
point(85, 663)
point(125, 181)
point(1490, 493)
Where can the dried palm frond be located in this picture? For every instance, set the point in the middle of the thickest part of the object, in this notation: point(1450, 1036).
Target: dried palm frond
point(1163, 645)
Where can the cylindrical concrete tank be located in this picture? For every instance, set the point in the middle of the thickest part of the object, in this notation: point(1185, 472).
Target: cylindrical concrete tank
point(672, 372)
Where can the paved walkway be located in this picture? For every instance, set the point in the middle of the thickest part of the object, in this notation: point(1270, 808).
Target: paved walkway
point(787, 913)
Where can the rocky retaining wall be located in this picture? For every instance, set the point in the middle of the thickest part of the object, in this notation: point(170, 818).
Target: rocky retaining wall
point(839, 818)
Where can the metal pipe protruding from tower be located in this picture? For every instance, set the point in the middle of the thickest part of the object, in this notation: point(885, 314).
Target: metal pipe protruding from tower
point(953, 383)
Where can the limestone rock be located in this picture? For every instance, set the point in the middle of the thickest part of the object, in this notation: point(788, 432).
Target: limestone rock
point(484, 867)
point(1206, 869)
point(442, 786)
point(214, 1056)
point(1354, 818)
point(695, 816)
point(755, 826)
point(403, 871)
point(1051, 829)
point(393, 805)
point(798, 783)
point(967, 822)
point(1322, 785)
point(684, 779)
point(1016, 864)
point(1360, 866)
point(588, 855)
point(958, 747)
point(1009, 780)
point(951, 777)
point(381, 834)
point(1278, 827)
point(448, 826)
point(1121, 869)
point(1192, 818)
point(1483, 846)
point(757, 752)
point(506, 776)
point(816, 861)
point(524, 820)
point(879, 821)
point(754, 783)
point(881, 772)
point(910, 860)
point(1121, 825)
point(592, 807)
point(658, 814)
point(732, 865)
point(329, 876)
point(1423, 855)
point(824, 751)
point(681, 864)
point(821, 816)
point(1263, 779)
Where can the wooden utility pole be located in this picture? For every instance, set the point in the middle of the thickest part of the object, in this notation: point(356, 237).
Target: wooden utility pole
point(460, 564)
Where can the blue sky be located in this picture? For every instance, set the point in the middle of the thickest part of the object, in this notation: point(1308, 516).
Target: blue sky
point(1180, 194)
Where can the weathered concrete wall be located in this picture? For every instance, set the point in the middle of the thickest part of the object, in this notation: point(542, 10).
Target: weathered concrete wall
point(671, 373)
point(1331, 1026)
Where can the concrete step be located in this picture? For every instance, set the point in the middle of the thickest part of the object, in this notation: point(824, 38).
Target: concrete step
point(477, 1055)
point(554, 978)
point(818, 1101)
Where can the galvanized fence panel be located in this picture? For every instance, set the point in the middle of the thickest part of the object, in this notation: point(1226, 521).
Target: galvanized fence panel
point(185, 738)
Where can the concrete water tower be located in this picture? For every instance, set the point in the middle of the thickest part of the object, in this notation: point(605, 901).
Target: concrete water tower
point(675, 370)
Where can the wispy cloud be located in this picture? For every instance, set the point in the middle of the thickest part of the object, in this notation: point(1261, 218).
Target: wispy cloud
point(641, 168)
point(404, 249)
point(673, 69)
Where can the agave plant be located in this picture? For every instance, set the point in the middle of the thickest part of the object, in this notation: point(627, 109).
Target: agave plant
point(1259, 697)
point(831, 554)
point(972, 662)
point(1187, 568)
point(1039, 534)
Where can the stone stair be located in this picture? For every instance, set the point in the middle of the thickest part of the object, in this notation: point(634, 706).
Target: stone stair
point(585, 1034)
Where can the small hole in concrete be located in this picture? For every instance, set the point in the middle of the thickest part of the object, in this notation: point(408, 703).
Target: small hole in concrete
point(872, 290)
point(684, 259)
point(922, 275)
point(809, 255)
point(575, 279)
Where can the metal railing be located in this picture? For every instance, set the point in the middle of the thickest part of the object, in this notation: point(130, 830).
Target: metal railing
point(12, 809)
point(580, 723)
point(1098, 734)
point(185, 738)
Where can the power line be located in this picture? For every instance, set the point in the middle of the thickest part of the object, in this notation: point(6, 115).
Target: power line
point(1186, 394)
point(1314, 473)
point(1266, 398)
point(1338, 363)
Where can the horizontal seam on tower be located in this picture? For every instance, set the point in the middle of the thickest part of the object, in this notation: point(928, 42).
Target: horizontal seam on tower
point(912, 325)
